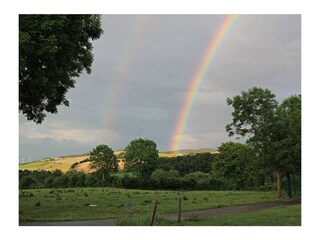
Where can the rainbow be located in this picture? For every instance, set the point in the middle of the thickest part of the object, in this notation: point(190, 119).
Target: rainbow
point(195, 83)
point(113, 94)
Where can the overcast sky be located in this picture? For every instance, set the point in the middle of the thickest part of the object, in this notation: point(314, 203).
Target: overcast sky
point(143, 65)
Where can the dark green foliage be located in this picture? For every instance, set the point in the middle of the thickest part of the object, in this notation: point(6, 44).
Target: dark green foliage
point(73, 165)
point(201, 180)
point(272, 129)
point(76, 179)
point(56, 179)
point(53, 51)
point(159, 179)
point(200, 162)
point(131, 182)
point(254, 115)
point(284, 151)
point(104, 160)
point(141, 156)
point(27, 182)
point(34, 179)
point(159, 174)
point(235, 166)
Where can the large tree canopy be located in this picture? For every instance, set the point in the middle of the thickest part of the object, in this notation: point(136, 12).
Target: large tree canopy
point(53, 50)
point(273, 130)
point(141, 156)
point(102, 158)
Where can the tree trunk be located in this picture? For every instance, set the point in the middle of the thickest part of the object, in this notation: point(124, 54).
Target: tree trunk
point(289, 184)
point(279, 178)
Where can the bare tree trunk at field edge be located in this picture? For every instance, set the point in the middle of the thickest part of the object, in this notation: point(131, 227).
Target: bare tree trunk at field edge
point(279, 177)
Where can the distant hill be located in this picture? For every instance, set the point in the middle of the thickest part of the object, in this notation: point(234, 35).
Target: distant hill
point(64, 163)
point(192, 151)
point(61, 163)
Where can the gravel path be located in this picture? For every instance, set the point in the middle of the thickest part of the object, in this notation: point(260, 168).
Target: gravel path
point(101, 222)
point(173, 216)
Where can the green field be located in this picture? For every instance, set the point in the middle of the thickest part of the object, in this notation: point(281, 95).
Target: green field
point(276, 216)
point(99, 203)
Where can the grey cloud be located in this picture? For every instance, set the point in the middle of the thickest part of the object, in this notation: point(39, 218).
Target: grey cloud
point(142, 68)
point(46, 147)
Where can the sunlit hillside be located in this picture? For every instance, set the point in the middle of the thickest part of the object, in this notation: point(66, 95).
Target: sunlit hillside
point(65, 163)
point(62, 164)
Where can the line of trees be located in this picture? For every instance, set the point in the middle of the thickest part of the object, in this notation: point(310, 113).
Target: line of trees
point(235, 168)
point(272, 150)
point(228, 170)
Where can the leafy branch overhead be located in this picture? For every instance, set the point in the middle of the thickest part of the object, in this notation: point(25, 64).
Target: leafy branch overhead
point(53, 51)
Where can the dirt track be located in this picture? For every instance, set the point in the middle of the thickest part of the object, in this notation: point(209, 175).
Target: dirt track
point(173, 216)
point(229, 210)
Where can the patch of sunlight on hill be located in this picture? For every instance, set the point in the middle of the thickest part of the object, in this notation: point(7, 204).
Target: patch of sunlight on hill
point(64, 163)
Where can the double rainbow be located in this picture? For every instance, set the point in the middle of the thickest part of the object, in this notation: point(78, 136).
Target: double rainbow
point(195, 83)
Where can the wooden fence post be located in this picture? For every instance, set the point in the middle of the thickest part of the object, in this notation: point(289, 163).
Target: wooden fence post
point(154, 212)
point(179, 211)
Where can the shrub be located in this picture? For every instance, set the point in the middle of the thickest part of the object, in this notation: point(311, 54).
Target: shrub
point(202, 179)
point(131, 182)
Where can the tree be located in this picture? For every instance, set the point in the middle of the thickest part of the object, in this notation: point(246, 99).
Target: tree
point(53, 50)
point(284, 150)
point(288, 142)
point(234, 166)
point(104, 160)
point(141, 156)
point(273, 130)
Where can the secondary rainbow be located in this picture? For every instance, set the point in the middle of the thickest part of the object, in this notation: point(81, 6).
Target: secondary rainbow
point(113, 94)
point(195, 83)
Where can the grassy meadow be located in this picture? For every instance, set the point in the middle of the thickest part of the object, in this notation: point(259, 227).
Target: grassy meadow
point(276, 216)
point(99, 203)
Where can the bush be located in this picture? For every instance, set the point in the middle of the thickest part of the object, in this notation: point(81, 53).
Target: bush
point(200, 162)
point(28, 182)
point(216, 184)
point(201, 179)
point(170, 183)
point(130, 182)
